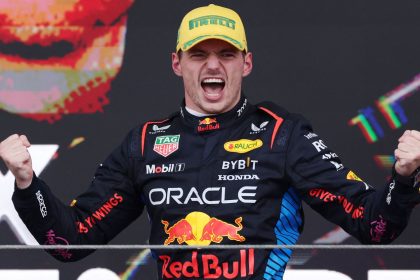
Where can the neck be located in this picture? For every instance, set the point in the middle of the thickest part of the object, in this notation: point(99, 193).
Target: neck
point(195, 113)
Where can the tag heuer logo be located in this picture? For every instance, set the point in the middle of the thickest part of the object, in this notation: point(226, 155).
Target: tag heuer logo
point(166, 145)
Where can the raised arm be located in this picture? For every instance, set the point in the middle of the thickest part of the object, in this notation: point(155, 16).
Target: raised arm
point(109, 205)
point(372, 215)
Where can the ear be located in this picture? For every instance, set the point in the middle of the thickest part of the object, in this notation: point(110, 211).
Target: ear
point(176, 64)
point(247, 64)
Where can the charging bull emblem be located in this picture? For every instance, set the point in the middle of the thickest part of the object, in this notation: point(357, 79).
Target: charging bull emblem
point(216, 229)
point(181, 231)
point(198, 228)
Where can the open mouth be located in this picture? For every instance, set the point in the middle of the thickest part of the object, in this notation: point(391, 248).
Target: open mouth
point(213, 87)
point(35, 51)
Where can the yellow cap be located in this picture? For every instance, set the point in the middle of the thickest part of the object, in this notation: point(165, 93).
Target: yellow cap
point(211, 22)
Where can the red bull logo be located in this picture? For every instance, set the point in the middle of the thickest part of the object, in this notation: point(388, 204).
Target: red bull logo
point(198, 228)
point(181, 231)
point(216, 229)
point(207, 121)
point(208, 124)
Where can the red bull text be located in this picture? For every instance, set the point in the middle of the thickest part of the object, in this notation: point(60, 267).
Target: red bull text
point(208, 124)
point(208, 266)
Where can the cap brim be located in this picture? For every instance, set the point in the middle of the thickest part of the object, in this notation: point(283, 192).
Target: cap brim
point(188, 45)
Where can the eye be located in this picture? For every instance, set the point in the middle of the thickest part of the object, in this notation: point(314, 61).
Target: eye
point(197, 55)
point(228, 54)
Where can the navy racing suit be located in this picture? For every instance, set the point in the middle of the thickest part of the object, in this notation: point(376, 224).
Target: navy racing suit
point(234, 178)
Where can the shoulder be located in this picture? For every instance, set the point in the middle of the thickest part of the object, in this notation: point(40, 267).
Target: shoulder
point(287, 124)
point(136, 137)
point(278, 112)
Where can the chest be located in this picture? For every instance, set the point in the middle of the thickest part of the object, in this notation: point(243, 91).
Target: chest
point(231, 168)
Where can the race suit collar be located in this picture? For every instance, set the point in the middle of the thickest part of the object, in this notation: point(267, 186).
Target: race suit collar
point(215, 122)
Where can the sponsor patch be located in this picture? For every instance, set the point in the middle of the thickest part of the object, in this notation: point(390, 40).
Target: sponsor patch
point(198, 228)
point(99, 215)
point(243, 145)
point(208, 124)
point(257, 129)
point(338, 166)
point(42, 207)
point(329, 156)
point(319, 145)
point(164, 168)
point(208, 266)
point(310, 135)
point(389, 195)
point(239, 164)
point(166, 145)
point(156, 129)
point(242, 109)
point(356, 212)
point(207, 196)
point(240, 177)
point(52, 239)
point(352, 176)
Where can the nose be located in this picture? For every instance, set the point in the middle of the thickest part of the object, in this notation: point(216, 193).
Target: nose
point(213, 62)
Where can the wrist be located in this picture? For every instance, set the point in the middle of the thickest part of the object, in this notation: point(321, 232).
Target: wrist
point(23, 183)
point(412, 180)
point(406, 179)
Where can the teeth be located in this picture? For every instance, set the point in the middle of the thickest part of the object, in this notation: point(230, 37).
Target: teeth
point(213, 80)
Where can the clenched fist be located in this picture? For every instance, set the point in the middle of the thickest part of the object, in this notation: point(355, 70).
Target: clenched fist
point(15, 155)
point(408, 153)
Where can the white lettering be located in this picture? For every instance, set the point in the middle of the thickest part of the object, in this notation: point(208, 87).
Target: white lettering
point(337, 165)
point(238, 177)
point(388, 196)
point(329, 156)
point(319, 145)
point(241, 110)
point(197, 198)
point(206, 201)
point(153, 202)
point(225, 165)
point(159, 196)
point(242, 193)
point(165, 168)
point(226, 201)
point(240, 164)
point(310, 135)
point(42, 207)
point(175, 197)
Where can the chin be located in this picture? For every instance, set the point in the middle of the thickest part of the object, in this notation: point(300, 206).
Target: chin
point(214, 108)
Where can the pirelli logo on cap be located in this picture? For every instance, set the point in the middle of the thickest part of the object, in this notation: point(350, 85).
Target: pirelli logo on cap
point(242, 146)
point(214, 20)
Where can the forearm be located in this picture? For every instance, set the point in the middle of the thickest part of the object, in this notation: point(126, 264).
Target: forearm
point(50, 221)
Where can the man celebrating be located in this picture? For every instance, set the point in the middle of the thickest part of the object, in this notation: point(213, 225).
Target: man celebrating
point(219, 171)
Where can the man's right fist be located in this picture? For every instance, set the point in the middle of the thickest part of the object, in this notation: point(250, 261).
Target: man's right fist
point(15, 155)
